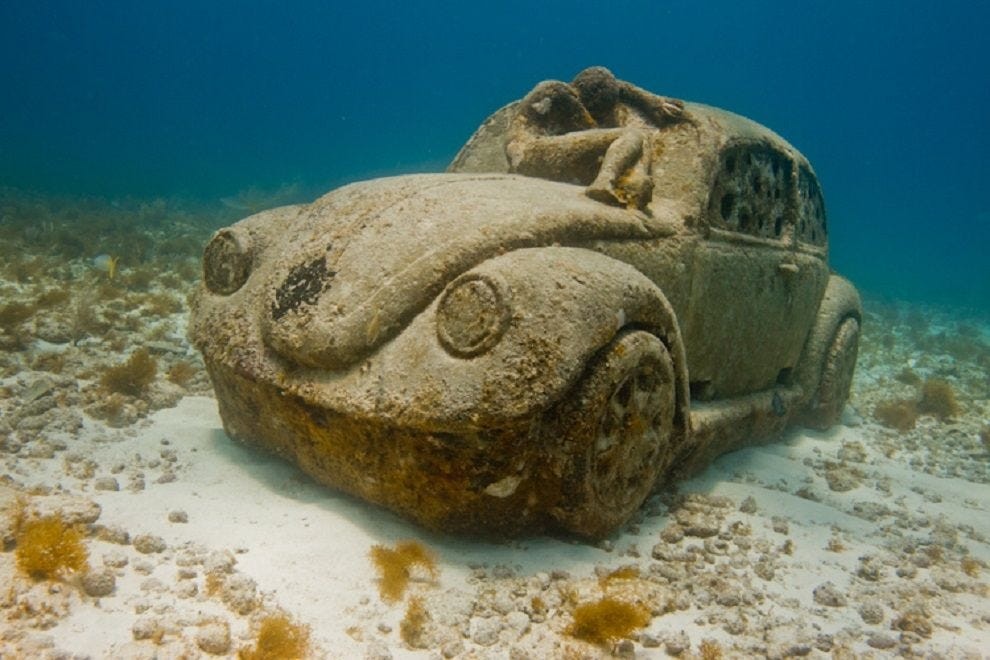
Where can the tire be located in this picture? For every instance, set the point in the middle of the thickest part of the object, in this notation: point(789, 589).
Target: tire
point(838, 366)
point(616, 432)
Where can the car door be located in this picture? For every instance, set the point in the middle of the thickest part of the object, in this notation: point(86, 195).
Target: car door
point(753, 297)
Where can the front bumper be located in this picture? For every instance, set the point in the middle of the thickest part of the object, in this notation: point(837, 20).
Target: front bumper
point(490, 483)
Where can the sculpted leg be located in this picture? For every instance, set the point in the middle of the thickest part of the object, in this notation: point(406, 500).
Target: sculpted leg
point(624, 178)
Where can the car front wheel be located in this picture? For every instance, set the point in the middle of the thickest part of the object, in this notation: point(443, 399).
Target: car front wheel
point(616, 434)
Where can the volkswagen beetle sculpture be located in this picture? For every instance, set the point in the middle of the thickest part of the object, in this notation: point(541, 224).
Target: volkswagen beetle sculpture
point(606, 289)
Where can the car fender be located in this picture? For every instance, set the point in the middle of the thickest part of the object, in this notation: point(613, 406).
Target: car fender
point(840, 301)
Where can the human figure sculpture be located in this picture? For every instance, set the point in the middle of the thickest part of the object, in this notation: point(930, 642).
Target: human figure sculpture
point(593, 131)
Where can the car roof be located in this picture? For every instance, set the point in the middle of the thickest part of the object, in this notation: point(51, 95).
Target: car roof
point(689, 147)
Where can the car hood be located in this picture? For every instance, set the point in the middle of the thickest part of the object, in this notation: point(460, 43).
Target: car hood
point(356, 265)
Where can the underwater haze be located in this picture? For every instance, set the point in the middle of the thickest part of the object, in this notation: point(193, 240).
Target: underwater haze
point(321, 437)
point(201, 100)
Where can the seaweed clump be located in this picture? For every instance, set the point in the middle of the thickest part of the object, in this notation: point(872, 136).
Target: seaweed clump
point(901, 414)
point(395, 567)
point(938, 399)
point(47, 547)
point(181, 373)
point(413, 624)
point(133, 376)
point(279, 638)
point(15, 313)
point(709, 649)
point(607, 620)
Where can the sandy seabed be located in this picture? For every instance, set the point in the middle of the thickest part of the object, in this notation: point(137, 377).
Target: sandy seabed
point(863, 541)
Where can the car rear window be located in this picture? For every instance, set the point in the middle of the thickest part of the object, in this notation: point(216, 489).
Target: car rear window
point(811, 227)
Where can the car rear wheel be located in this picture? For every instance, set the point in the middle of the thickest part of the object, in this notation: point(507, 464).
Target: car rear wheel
point(837, 374)
point(616, 432)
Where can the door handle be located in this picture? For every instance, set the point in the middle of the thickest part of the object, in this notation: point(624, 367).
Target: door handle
point(788, 268)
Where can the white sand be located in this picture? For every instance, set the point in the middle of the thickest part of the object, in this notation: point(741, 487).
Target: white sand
point(307, 548)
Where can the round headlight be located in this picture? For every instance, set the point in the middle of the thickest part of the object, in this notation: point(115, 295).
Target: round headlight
point(227, 261)
point(472, 315)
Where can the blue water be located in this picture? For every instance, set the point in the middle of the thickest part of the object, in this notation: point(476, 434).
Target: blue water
point(158, 98)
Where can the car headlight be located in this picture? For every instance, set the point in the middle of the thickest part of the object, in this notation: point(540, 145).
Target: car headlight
point(227, 261)
point(472, 315)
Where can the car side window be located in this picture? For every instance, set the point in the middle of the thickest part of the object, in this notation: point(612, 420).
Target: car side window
point(811, 227)
point(752, 192)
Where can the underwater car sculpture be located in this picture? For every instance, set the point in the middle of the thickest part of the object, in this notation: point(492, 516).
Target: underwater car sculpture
point(606, 290)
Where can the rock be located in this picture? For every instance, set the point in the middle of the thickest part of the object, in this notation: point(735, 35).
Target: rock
point(672, 533)
point(484, 631)
point(871, 612)
point(214, 637)
point(114, 534)
point(828, 594)
point(186, 589)
point(377, 650)
point(852, 451)
point(178, 516)
point(106, 483)
point(163, 394)
point(518, 623)
point(624, 649)
point(842, 478)
point(149, 544)
point(870, 569)
point(99, 583)
point(147, 628)
point(765, 569)
point(240, 593)
point(677, 643)
point(114, 559)
point(698, 524)
point(143, 567)
point(218, 562)
point(503, 603)
point(452, 649)
point(881, 641)
point(649, 641)
point(153, 585)
point(914, 621)
point(72, 510)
